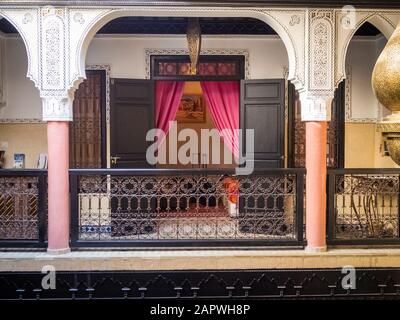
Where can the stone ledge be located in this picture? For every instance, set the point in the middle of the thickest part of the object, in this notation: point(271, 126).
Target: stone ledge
point(200, 260)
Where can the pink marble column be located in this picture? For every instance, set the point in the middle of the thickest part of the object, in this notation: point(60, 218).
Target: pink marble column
point(316, 137)
point(58, 186)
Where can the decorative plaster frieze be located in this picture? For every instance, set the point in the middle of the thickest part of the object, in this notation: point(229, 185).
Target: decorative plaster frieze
point(21, 121)
point(52, 49)
point(295, 19)
point(57, 108)
point(291, 30)
point(321, 50)
point(28, 18)
point(225, 52)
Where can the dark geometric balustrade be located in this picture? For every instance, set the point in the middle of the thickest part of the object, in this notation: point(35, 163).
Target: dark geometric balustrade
point(186, 207)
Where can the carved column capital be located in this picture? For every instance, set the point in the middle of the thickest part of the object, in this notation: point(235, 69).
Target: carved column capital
point(315, 107)
point(57, 108)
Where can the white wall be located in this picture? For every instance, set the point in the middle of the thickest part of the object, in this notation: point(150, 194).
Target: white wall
point(361, 57)
point(126, 54)
point(22, 98)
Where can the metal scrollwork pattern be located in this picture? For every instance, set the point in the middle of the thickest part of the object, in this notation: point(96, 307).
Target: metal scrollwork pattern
point(367, 206)
point(19, 208)
point(186, 207)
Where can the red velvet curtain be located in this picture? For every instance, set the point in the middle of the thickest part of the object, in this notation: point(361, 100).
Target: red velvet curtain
point(222, 99)
point(168, 97)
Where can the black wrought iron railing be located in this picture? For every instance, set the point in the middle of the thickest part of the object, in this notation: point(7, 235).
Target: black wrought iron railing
point(23, 209)
point(363, 206)
point(157, 207)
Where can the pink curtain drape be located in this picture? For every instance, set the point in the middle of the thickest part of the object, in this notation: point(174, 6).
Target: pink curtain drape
point(222, 99)
point(168, 97)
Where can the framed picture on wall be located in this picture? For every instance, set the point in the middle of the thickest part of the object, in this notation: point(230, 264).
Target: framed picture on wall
point(19, 160)
point(191, 109)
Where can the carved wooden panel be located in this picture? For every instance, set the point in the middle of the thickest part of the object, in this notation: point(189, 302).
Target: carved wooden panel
point(86, 127)
point(210, 67)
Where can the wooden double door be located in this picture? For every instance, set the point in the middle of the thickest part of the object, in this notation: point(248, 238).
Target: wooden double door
point(262, 105)
point(132, 115)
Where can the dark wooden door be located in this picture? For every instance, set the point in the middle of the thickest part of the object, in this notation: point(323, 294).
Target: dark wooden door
point(262, 109)
point(132, 116)
point(88, 130)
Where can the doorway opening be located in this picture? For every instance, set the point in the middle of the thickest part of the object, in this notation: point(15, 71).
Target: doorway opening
point(198, 118)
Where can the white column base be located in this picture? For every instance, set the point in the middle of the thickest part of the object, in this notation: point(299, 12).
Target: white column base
point(315, 249)
point(58, 251)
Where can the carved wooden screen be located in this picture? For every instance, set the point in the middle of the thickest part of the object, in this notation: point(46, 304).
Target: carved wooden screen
point(335, 134)
point(86, 127)
point(230, 67)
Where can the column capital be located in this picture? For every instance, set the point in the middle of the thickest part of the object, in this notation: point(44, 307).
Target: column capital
point(316, 107)
point(57, 108)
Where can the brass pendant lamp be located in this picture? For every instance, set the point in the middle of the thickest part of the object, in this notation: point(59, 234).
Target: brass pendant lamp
point(193, 35)
point(386, 86)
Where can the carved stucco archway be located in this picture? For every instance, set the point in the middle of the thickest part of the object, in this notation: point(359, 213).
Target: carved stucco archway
point(289, 25)
point(384, 21)
point(25, 21)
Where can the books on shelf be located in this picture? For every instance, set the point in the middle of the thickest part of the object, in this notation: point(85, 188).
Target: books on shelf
point(19, 160)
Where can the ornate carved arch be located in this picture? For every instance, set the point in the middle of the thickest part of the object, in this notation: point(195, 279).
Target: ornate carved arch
point(289, 24)
point(384, 21)
point(25, 21)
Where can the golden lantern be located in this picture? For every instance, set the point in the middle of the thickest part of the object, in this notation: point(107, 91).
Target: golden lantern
point(194, 43)
point(386, 86)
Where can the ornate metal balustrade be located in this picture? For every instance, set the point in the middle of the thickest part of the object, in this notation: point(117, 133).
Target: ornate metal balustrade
point(363, 206)
point(157, 207)
point(23, 208)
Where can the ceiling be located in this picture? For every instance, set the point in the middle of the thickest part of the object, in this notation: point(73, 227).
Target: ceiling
point(210, 26)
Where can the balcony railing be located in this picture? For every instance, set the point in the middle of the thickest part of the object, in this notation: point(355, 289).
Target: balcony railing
point(363, 206)
point(214, 208)
point(23, 208)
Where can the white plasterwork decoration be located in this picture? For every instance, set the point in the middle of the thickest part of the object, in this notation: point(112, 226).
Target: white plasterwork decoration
point(57, 109)
point(315, 108)
point(21, 121)
point(321, 51)
point(384, 20)
point(289, 23)
point(26, 21)
point(223, 52)
point(52, 50)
